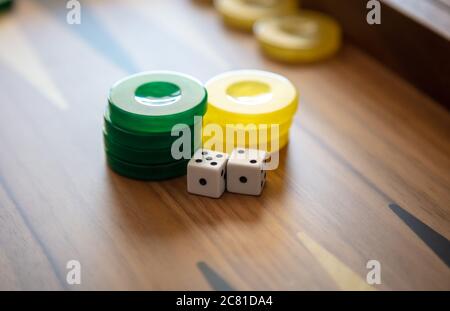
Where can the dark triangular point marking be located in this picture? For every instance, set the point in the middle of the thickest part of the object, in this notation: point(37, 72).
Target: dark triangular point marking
point(94, 33)
point(438, 243)
point(213, 278)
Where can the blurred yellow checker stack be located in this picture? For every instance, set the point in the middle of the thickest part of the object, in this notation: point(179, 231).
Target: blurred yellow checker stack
point(305, 37)
point(242, 14)
point(284, 31)
point(252, 108)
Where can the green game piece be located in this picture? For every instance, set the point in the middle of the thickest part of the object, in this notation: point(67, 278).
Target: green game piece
point(153, 102)
point(149, 141)
point(147, 172)
point(5, 4)
point(139, 156)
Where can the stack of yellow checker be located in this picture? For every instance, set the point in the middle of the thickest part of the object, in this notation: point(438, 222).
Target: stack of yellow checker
point(284, 31)
point(252, 108)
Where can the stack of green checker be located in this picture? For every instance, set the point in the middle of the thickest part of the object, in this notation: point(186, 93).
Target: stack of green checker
point(142, 110)
point(5, 4)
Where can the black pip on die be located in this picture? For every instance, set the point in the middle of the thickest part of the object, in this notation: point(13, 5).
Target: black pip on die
point(245, 171)
point(206, 173)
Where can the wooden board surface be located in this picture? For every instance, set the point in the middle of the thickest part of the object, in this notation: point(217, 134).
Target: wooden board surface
point(365, 175)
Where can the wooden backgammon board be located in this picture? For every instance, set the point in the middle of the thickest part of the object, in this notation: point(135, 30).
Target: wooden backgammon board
point(365, 175)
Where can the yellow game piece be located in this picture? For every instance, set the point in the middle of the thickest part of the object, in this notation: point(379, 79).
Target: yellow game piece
point(251, 137)
point(243, 14)
point(245, 105)
point(245, 127)
point(244, 135)
point(305, 37)
point(270, 146)
point(251, 96)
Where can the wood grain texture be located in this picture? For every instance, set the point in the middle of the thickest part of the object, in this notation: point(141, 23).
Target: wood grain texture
point(362, 139)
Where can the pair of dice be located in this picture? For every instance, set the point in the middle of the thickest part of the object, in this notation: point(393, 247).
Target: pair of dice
point(210, 172)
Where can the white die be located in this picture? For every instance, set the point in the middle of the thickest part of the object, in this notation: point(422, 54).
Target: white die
point(206, 173)
point(245, 171)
